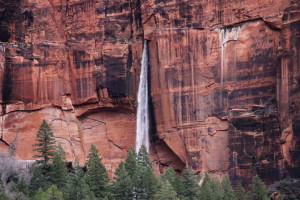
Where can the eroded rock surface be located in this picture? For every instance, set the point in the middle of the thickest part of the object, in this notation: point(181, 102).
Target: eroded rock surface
point(224, 81)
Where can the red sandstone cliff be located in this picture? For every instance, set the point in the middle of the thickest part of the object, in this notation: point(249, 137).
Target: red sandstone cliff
point(225, 80)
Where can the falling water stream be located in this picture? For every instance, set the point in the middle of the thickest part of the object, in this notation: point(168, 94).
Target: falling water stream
point(226, 35)
point(142, 124)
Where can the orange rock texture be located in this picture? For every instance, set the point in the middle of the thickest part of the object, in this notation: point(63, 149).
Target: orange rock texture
point(224, 81)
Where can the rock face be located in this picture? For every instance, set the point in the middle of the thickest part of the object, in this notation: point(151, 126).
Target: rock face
point(74, 64)
point(225, 81)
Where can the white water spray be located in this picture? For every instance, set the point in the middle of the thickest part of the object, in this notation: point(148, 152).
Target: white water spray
point(142, 124)
point(226, 35)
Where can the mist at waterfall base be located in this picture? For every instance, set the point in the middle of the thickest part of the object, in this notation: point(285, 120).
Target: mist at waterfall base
point(142, 124)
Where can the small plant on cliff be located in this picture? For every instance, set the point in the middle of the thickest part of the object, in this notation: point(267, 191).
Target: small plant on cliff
point(45, 143)
point(96, 176)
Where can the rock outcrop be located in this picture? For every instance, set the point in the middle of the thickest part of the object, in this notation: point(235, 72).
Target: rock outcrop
point(225, 81)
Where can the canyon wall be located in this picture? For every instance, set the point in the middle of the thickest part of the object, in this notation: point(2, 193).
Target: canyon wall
point(224, 81)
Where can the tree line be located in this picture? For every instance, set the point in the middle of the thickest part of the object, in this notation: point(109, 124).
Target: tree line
point(134, 179)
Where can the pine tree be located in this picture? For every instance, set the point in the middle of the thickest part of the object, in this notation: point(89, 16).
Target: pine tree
point(52, 193)
point(240, 192)
point(165, 192)
point(39, 195)
point(123, 184)
point(190, 184)
point(174, 180)
point(96, 176)
point(146, 182)
point(59, 173)
point(45, 143)
point(258, 189)
point(131, 163)
point(79, 190)
point(211, 189)
point(228, 190)
point(143, 157)
point(40, 178)
point(21, 189)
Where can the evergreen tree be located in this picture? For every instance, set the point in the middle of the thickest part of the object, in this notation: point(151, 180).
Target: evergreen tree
point(146, 183)
point(211, 189)
point(39, 195)
point(45, 143)
point(59, 172)
point(123, 184)
point(40, 178)
point(96, 176)
point(21, 190)
point(190, 184)
point(131, 163)
point(143, 157)
point(240, 192)
point(78, 188)
point(165, 192)
point(174, 180)
point(258, 190)
point(52, 193)
point(228, 190)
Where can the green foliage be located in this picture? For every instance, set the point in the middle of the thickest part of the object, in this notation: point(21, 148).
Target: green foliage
point(211, 189)
point(228, 190)
point(190, 184)
point(146, 182)
point(39, 195)
point(23, 187)
point(96, 176)
point(20, 190)
point(143, 158)
point(258, 190)
point(52, 193)
point(288, 188)
point(123, 184)
point(39, 178)
point(165, 192)
point(131, 163)
point(240, 192)
point(2, 189)
point(78, 188)
point(58, 174)
point(174, 180)
point(45, 143)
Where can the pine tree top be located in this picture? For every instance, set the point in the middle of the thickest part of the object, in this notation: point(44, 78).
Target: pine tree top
point(143, 157)
point(45, 143)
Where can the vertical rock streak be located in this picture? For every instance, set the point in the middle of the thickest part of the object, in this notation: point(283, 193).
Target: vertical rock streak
point(226, 35)
point(142, 124)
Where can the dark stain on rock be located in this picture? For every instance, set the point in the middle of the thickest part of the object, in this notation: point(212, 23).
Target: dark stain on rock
point(7, 82)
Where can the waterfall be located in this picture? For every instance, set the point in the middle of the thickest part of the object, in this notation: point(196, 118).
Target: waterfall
point(142, 124)
point(225, 35)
